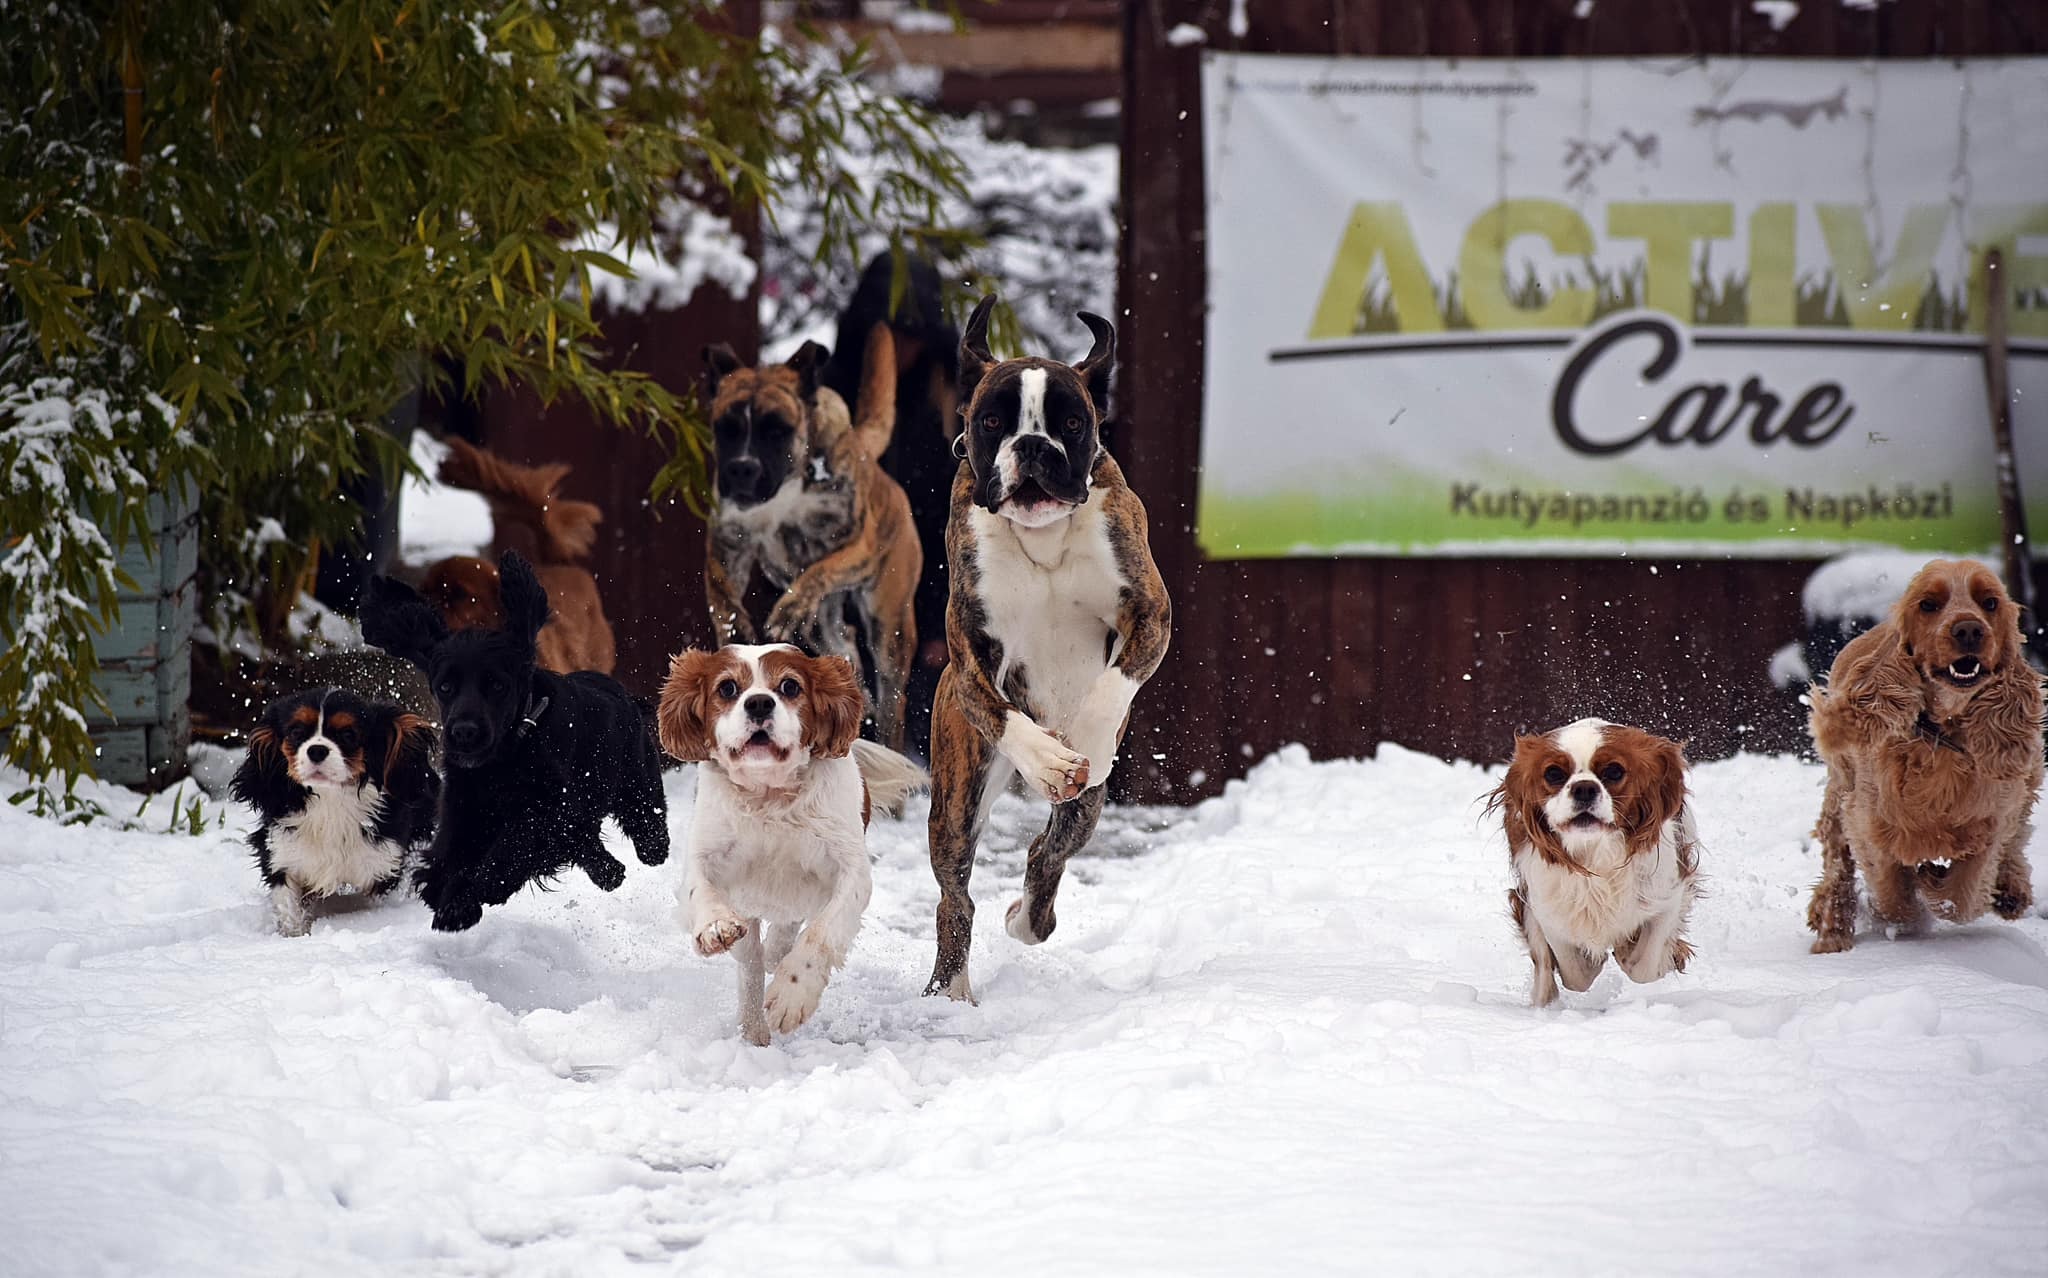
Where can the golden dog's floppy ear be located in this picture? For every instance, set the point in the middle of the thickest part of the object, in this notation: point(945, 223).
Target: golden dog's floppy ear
point(1905, 617)
point(681, 718)
point(1880, 680)
point(833, 706)
point(2010, 707)
point(1878, 690)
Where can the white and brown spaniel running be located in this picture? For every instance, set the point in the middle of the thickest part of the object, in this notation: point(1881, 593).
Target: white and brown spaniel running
point(1606, 856)
point(780, 833)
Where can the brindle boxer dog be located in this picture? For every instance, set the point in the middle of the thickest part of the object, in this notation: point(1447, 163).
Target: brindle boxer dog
point(1057, 617)
point(801, 495)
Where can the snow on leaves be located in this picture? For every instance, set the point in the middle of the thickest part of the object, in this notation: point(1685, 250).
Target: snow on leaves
point(73, 466)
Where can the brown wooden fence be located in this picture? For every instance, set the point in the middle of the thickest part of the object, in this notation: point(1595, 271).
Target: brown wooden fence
point(1449, 656)
point(649, 560)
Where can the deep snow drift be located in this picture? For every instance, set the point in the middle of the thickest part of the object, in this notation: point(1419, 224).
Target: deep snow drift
point(1284, 1031)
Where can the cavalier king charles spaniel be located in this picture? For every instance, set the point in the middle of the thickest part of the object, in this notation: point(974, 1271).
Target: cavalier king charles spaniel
point(1930, 724)
point(780, 834)
point(343, 790)
point(1605, 853)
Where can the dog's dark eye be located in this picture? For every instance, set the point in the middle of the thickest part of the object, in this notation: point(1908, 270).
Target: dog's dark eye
point(1073, 425)
point(1553, 775)
point(991, 423)
point(1928, 605)
point(727, 689)
point(446, 688)
point(790, 689)
point(1991, 603)
point(1612, 772)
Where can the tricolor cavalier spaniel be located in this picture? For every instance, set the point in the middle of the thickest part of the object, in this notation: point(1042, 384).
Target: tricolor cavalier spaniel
point(343, 790)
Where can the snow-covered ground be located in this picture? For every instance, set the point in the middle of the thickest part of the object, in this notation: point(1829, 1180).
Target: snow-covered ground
point(1283, 1032)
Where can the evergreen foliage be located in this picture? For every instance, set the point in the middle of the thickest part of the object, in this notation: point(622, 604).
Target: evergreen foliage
point(233, 235)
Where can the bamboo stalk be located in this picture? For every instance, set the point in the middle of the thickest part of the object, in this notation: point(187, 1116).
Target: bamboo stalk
point(131, 100)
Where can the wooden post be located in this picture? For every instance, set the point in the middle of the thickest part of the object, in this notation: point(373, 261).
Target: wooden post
point(2017, 551)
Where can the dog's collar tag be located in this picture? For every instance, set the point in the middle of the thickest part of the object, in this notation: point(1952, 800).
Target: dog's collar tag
point(532, 719)
point(819, 473)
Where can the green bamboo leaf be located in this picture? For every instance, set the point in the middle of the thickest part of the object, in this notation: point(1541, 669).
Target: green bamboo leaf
point(604, 262)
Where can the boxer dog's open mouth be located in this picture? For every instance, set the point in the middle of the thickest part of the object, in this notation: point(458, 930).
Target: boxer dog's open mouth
point(1031, 495)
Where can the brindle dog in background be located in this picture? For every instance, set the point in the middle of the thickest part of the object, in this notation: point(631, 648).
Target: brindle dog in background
point(802, 498)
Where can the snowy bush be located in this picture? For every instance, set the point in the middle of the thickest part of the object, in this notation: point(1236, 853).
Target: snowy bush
point(232, 237)
point(76, 465)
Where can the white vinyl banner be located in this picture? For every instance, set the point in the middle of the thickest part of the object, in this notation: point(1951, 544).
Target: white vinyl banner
point(1604, 307)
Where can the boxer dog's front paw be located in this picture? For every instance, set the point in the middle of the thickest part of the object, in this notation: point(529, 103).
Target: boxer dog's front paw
point(790, 616)
point(1055, 769)
point(1099, 749)
point(1017, 921)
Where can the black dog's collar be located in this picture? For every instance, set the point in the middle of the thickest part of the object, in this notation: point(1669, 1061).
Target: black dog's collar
point(532, 719)
point(1927, 729)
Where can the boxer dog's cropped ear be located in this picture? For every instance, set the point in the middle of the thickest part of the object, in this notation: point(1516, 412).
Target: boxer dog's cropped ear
point(975, 360)
point(1100, 360)
point(809, 358)
point(719, 360)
